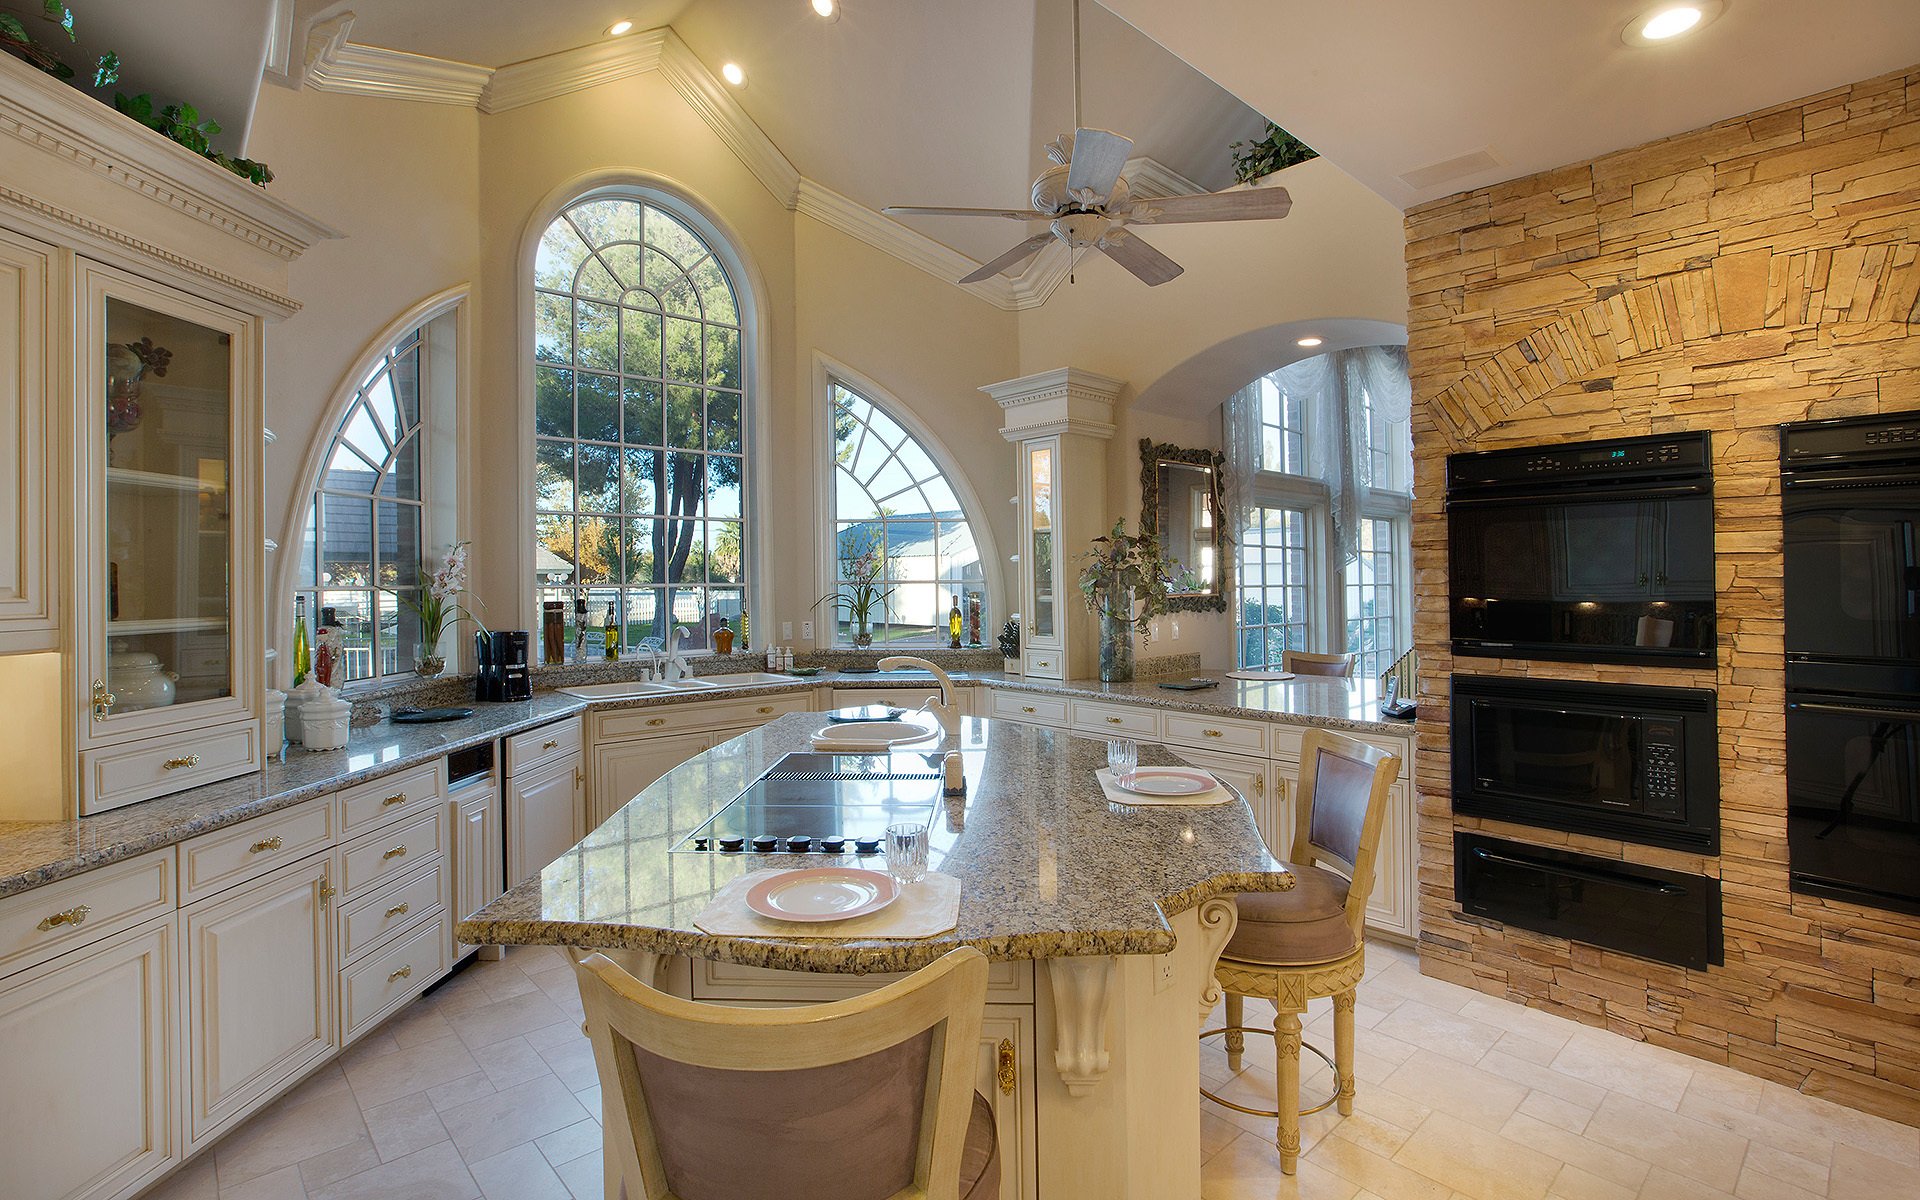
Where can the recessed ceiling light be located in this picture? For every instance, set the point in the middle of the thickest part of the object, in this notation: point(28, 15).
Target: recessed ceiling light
point(1309, 342)
point(1666, 22)
point(732, 73)
point(619, 27)
point(826, 8)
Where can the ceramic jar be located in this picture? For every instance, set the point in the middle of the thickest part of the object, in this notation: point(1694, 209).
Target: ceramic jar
point(137, 680)
point(303, 693)
point(324, 721)
point(275, 728)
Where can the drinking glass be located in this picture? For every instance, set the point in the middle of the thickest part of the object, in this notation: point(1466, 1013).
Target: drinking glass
point(1123, 755)
point(907, 852)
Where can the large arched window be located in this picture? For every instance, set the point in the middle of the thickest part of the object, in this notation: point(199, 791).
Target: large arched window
point(639, 424)
point(891, 499)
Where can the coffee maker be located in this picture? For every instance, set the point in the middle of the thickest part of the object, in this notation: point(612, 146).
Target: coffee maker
point(504, 674)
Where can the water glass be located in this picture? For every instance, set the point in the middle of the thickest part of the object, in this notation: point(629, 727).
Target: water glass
point(907, 852)
point(1123, 755)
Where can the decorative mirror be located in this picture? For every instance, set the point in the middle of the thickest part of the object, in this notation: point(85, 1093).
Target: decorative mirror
point(1180, 503)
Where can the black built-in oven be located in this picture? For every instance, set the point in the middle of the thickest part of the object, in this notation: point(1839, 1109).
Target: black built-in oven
point(1585, 552)
point(1635, 763)
point(1850, 504)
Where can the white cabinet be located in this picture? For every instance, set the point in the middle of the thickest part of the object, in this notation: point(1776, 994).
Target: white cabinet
point(29, 507)
point(478, 853)
point(546, 814)
point(90, 1044)
point(622, 770)
point(1252, 778)
point(1005, 1077)
point(260, 989)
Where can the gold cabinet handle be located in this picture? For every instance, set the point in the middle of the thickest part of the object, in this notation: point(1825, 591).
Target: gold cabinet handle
point(1007, 1069)
point(103, 701)
point(75, 916)
point(656, 720)
point(1211, 733)
point(549, 744)
point(402, 973)
point(326, 890)
point(396, 852)
point(396, 798)
point(398, 910)
point(1259, 785)
point(1113, 720)
point(272, 843)
point(766, 708)
point(187, 760)
point(1026, 708)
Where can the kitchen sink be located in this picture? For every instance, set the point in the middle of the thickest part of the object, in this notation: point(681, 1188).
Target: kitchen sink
point(745, 679)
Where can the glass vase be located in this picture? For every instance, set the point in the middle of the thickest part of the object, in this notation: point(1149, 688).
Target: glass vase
point(862, 635)
point(1116, 638)
point(428, 662)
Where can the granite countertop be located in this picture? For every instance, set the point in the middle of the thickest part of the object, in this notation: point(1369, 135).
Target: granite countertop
point(1305, 700)
point(1047, 867)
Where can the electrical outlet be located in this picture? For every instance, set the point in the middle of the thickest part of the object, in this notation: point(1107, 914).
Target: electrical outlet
point(806, 631)
point(1162, 972)
point(786, 630)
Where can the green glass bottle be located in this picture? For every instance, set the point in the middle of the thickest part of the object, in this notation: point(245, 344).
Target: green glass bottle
point(302, 651)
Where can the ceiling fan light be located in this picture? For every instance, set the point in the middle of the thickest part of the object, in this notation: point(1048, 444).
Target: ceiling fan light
point(1309, 342)
point(827, 9)
point(733, 74)
point(1666, 22)
point(619, 27)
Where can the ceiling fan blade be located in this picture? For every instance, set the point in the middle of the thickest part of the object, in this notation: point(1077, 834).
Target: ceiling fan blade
point(1011, 214)
point(1148, 265)
point(1098, 158)
point(1254, 204)
point(1013, 258)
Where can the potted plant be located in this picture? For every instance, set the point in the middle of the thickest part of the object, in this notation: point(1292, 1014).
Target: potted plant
point(437, 609)
point(1278, 149)
point(860, 593)
point(1126, 584)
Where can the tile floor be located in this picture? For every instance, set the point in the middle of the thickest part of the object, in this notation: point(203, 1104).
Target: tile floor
point(486, 1088)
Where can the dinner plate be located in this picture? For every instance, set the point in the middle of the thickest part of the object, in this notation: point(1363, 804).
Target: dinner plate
point(1261, 676)
point(822, 894)
point(1166, 781)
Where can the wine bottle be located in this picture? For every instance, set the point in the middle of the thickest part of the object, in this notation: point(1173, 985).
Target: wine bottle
point(302, 653)
point(613, 637)
point(953, 624)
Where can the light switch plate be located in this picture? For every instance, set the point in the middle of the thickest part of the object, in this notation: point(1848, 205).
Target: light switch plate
point(786, 630)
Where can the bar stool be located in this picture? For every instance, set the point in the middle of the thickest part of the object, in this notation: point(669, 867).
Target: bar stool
point(1308, 943)
point(1302, 663)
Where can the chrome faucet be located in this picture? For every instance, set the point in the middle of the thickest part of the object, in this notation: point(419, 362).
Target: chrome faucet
point(946, 708)
point(676, 666)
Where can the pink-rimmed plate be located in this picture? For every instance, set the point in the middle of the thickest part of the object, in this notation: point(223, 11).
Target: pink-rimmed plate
point(1166, 781)
point(822, 894)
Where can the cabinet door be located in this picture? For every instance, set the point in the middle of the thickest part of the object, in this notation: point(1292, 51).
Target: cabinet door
point(621, 770)
point(90, 1043)
point(546, 816)
point(1251, 778)
point(1040, 574)
point(29, 508)
point(1393, 905)
point(260, 990)
point(1005, 1078)
point(477, 853)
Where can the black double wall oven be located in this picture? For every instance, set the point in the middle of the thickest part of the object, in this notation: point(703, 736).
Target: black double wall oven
point(1850, 506)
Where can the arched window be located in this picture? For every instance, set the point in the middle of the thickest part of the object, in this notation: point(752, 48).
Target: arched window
point(366, 528)
point(639, 422)
point(891, 499)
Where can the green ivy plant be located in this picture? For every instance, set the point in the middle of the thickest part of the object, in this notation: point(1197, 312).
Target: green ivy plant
point(16, 40)
point(1278, 149)
point(1121, 563)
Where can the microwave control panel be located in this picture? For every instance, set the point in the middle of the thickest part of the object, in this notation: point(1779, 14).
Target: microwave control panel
point(1662, 771)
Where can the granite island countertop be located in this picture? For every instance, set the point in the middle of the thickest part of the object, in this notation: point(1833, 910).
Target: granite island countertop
point(1352, 704)
point(1047, 867)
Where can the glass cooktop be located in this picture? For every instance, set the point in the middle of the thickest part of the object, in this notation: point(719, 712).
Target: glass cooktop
point(823, 804)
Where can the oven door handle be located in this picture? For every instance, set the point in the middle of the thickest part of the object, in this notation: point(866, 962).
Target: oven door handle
point(1585, 873)
point(1857, 710)
point(1471, 496)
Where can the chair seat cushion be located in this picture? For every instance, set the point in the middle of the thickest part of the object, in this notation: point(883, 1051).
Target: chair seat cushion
point(1305, 925)
point(980, 1156)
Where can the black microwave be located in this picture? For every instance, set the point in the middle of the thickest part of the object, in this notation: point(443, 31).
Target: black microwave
point(1585, 552)
point(1618, 760)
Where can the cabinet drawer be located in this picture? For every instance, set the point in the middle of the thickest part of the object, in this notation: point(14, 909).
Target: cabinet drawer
point(377, 916)
point(50, 920)
point(1213, 733)
point(387, 854)
point(1287, 739)
point(1025, 706)
point(391, 798)
point(393, 975)
point(215, 861)
point(696, 716)
point(1114, 719)
point(525, 751)
point(1043, 663)
point(122, 775)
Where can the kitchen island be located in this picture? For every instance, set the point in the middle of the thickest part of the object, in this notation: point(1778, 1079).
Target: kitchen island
point(1103, 922)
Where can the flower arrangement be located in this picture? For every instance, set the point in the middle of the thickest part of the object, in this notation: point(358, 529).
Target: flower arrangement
point(860, 591)
point(437, 608)
point(1123, 572)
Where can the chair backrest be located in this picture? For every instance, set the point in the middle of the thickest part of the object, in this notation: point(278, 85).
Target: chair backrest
point(1302, 663)
point(860, 1099)
point(1340, 805)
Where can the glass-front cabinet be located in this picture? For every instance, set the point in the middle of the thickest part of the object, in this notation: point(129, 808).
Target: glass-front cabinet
point(168, 562)
point(1040, 539)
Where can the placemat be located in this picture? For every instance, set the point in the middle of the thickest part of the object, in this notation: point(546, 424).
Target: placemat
point(1116, 795)
point(924, 909)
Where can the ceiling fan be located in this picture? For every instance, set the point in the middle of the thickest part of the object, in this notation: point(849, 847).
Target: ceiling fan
point(1088, 205)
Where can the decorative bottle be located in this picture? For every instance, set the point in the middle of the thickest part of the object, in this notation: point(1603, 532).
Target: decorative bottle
point(302, 653)
point(953, 624)
point(613, 637)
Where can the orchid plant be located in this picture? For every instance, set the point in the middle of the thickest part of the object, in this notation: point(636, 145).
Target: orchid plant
point(860, 591)
point(437, 607)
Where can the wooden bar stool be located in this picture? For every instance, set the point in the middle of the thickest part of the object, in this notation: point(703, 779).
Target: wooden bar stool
point(1300, 945)
point(1302, 663)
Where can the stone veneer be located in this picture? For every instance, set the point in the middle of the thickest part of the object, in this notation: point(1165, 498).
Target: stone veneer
point(1758, 271)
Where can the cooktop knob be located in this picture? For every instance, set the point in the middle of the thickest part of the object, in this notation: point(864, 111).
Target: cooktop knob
point(732, 845)
point(700, 843)
point(833, 845)
point(799, 844)
point(866, 845)
point(766, 843)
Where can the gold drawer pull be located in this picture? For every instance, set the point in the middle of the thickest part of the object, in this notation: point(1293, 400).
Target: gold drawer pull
point(396, 798)
point(1212, 733)
point(1008, 1070)
point(74, 916)
point(1113, 720)
point(272, 843)
point(398, 910)
point(326, 890)
point(766, 708)
point(549, 744)
point(1259, 785)
point(656, 720)
point(1027, 708)
point(396, 852)
point(402, 973)
point(174, 764)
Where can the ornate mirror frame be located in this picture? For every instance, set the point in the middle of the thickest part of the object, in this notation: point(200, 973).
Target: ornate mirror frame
point(1152, 455)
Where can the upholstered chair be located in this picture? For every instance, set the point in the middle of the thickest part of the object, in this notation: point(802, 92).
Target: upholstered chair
point(1302, 663)
point(1300, 945)
point(863, 1099)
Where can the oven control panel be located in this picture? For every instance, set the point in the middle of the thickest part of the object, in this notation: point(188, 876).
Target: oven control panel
point(1661, 773)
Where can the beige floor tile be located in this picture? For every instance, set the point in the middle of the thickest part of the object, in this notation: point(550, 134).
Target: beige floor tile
point(1420, 1024)
point(1519, 1045)
point(283, 1184)
point(557, 1034)
point(583, 1137)
point(377, 1044)
point(572, 1062)
point(1561, 1114)
point(1215, 1132)
point(417, 1023)
point(1249, 1169)
point(584, 1177)
point(1572, 1183)
point(409, 1070)
point(1771, 1161)
point(512, 1061)
point(503, 1019)
point(1726, 1087)
point(464, 1090)
point(435, 1173)
point(1480, 1163)
point(1680, 1144)
point(502, 985)
point(324, 1169)
point(519, 1114)
point(1758, 1185)
point(1622, 1065)
point(1368, 1132)
point(1364, 1168)
point(1529, 1023)
point(589, 1099)
point(1610, 1164)
point(1888, 1139)
point(1858, 1172)
point(403, 1126)
point(1809, 1144)
point(195, 1181)
point(1446, 1085)
point(1663, 1184)
point(1542, 1078)
point(518, 1174)
point(285, 1136)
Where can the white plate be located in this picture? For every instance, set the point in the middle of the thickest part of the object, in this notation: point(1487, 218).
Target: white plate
point(1166, 781)
point(822, 894)
point(1260, 675)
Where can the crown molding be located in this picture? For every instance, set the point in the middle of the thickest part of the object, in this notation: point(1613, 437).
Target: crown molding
point(1150, 179)
point(576, 70)
point(1063, 400)
point(358, 70)
point(910, 246)
point(714, 102)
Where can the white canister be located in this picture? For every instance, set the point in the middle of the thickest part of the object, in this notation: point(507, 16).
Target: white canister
point(323, 722)
point(138, 680)
point(303, 694)
point(276, 721)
